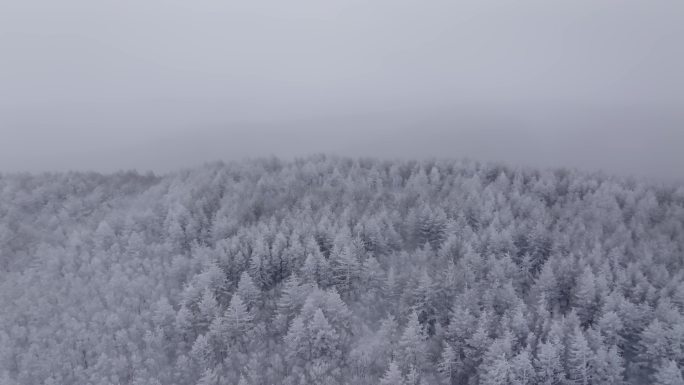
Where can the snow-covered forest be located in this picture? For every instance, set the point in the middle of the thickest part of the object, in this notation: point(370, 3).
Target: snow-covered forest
point(331, 270)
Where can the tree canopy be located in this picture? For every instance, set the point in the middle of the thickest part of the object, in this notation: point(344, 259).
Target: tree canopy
point(329, 270)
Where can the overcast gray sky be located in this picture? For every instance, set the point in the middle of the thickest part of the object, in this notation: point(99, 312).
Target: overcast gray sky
point(152, 84)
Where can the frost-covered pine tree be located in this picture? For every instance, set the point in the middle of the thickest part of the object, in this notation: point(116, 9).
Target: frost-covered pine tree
point(392, 376)
point(609, 366)
point(581, 361)
point(324, 339)
point(292, 297)
point(209, 377)
point(248, 291)
point(412, 343)
point(496, 372)
point(653, 345)
point(346, 270)
point(668, 374)
point(522, 371)
point(447, 365)
point(585, 296)
point(237, 317)
point(208, 308)
point(296, 342)
point(548, 363)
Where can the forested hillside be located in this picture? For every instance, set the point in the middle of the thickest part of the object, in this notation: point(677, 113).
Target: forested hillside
point(341, 271)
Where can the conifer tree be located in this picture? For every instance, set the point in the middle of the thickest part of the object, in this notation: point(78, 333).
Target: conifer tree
point(653, 345)
point(668, 374)
point(548, 363)
point(392, 376)
point(580, 360)
point(323, 338)
point(609, 366)
point(248, 291)
point(497, 372)
point(447, 365)
point(208, 308)
point(238, 319)
point(412, 343)
point(585, 296)
point(522, 371)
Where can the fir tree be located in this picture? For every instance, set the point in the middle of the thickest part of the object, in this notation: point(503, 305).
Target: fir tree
point(411, 343)
point(522, 371)
point(668, 374)
point(548, 363)
point(248, 291)
point(447, 365)
point(580, 359)
point(392, 376)
point(609, 366)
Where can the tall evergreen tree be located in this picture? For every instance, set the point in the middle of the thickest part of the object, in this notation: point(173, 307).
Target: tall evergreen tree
point(392, 376)
point(412, 343)
point(581, 360)
point(668, 374)
point(548, 363)
point(248, 291)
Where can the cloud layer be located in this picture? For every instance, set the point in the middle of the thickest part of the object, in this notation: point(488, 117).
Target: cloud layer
point(160, 84)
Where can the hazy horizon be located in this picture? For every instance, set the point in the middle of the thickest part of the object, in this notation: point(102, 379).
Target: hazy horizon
point(518, 140)
point(166, 85)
